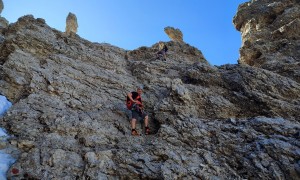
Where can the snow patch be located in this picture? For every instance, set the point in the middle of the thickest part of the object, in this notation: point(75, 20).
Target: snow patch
point(6, 160)
point(4, 105)
point(2, 133)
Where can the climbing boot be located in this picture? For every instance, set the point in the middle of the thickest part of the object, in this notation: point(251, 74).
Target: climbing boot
point(147, 130)
point(134, 132)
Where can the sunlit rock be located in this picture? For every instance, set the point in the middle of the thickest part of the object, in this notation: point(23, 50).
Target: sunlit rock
point(71, 24)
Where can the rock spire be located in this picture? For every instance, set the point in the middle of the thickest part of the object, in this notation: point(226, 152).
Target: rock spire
point(71, 24)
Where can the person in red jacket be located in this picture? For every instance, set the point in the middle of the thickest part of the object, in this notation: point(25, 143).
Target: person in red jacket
point(135, 104)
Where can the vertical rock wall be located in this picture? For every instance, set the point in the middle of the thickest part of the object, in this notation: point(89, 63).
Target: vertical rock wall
point(270, 35)
point(69, 118)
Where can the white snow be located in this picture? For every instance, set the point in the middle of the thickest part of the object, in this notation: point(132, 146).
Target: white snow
point(2, 133)
point(4, 105)
point(5, 162)
point(5, 159)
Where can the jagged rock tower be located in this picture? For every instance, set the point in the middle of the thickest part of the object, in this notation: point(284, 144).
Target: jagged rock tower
point(71, 24)
point(174, 34)
point(270, 35)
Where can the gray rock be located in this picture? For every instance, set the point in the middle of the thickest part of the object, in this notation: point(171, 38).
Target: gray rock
point(1, 6)
point(270, 35)
point(70, 121)
point(71, 24)
point(3, 23)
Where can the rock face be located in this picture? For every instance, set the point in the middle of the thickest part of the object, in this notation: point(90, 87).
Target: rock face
point(71, 24)
point(3, 21)
point(271, 36)
point(1, 6)
point(69, 118)
point(3, 24)
point(174, 34)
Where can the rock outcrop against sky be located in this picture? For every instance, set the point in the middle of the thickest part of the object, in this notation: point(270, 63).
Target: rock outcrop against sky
point(271, 35)
point(71, 24)
point(1, 6)
point(3, 21)
point(174, 34)
point(69, 119)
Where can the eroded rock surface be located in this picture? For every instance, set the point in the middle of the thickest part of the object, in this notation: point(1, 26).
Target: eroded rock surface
point(270, 35)
point(71, 24)
point(69, 118)
point(174, 34)
point(1, 6)
point(3, 21)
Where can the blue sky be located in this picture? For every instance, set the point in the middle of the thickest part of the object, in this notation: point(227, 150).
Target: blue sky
point(129, 24)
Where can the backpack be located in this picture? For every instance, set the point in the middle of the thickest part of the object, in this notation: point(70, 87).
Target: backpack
point(129, 103)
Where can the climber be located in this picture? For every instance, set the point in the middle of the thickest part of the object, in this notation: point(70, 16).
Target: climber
point(134, 103)
point(162, 51)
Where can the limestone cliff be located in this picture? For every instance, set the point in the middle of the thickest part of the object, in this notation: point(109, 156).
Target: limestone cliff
point(1, 6)
point(271, 35)
point(69, 118)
